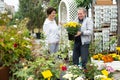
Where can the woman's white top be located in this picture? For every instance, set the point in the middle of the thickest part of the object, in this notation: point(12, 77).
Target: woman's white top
point(51, 30)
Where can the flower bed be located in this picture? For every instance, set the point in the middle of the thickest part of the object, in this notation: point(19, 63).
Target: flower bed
point(93, 73)
point(107, 57)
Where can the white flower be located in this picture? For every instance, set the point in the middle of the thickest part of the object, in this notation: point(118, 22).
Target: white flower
point(68, 76)
point(75, 76)
point(16, 19)
point(15, 26)
point(101, 66)
point(4, 12)
point(30, 78)
point(99, 77)
point(12, 38)
point(19, 32)
point(79, 78)
point(9, 16)
point(26, 38)
point(91, 64)
point(1, 33)
point(23, 64)
point(25, 68)
point(28, 46)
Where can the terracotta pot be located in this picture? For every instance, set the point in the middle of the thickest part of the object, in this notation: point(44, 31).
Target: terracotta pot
point(4, 73)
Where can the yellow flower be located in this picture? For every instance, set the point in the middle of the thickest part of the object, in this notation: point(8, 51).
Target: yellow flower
point(47, 74)
point(118, 48)
point(72, 27)
point(106, 79)
point(71, 24)
point(113, 55)
point(119, 57)
point(61, 65)
point(105, 72)
point(100, 55)
point(64, 25)
point(95, 56)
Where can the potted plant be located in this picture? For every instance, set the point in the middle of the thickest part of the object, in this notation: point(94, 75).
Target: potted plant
point(4, 71)
point(72, 28)
point(14, 44)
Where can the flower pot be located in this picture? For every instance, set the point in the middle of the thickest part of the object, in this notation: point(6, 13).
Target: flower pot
point(4, 73)
point(38, 35)
point(70, 36)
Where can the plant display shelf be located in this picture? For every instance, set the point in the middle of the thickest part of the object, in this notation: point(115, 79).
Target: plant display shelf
point(105, 27)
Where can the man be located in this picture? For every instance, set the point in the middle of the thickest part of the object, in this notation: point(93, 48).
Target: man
point(82, 38)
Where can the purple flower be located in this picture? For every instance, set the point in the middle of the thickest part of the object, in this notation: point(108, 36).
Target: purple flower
point(110, 69)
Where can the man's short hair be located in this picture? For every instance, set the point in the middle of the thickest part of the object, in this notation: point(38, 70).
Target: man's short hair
point(82, 8)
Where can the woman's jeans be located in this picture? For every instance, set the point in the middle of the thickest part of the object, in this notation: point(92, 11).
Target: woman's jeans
point(53, 47)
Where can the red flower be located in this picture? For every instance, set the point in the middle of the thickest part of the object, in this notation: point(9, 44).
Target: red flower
point(15, 45)
point(64, 68)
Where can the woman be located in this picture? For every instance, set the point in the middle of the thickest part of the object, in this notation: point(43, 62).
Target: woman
point(51, 30)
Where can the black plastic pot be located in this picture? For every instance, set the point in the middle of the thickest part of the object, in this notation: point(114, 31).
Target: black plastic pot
point(71, 37)
point(38, 35)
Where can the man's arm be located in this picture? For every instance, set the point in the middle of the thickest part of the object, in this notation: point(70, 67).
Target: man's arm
point(89, 29)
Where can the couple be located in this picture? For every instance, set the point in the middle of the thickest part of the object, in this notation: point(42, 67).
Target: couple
point(82, 38)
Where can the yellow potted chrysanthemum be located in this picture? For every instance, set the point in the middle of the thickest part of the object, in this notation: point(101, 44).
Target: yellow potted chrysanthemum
point(72, 28)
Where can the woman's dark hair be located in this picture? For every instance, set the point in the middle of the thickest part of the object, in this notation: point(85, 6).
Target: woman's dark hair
point(50, 10)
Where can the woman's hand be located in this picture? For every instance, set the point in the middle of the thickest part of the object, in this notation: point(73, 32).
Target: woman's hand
point(60, 23)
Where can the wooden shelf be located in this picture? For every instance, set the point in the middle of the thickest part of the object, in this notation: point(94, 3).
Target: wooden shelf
point(104, 2)
point(97, 30)
point(105, 25)
point(113, 34)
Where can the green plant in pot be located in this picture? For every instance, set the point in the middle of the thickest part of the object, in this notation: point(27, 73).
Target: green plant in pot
point(14, 44)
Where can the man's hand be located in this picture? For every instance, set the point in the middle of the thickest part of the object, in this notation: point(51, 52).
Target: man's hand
point(78, 33)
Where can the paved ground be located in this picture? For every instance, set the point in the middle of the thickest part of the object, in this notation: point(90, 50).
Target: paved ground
point(117, 75)
point(36, 47)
